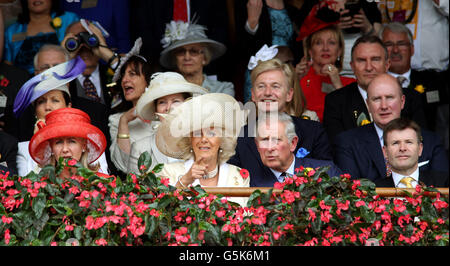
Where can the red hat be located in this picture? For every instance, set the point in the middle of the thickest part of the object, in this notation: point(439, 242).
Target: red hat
point(321, 16)
point(66, 122)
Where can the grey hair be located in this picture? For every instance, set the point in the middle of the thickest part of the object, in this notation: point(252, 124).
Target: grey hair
point(285, 119)
point(397, 27)
point(50, 47)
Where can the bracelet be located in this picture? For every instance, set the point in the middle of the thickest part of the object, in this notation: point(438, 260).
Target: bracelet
point(123, 136)
point(112, 58)
point(181, 183)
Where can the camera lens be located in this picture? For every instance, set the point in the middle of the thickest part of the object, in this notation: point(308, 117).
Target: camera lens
point(71, 44)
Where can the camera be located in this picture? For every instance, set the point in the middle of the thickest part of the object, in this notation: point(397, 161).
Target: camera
point(73, 43)
point(353, 9)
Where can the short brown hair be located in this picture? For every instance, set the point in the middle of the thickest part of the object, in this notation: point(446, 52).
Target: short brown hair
point(401, 124)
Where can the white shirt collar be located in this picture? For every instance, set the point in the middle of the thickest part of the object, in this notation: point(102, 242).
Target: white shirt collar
point(95, 79)
point(406, 75)
point(290, 171)
point(363, 93)
point(379, 133)
point(397, 177)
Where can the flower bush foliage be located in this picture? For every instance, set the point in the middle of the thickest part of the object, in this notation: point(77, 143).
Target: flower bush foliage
point(312, 209)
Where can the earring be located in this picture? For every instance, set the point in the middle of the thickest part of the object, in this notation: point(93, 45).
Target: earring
point(220, 150)
point(191, 151)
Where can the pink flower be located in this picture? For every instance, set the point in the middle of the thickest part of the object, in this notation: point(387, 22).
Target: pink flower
point(53, 244)
point(360, 203)
point(165, 181)
point(325, 216)
point(220, 213)
point(312, 215)
point(7, 236)
point(323, 206)
point(69, 228)
point(101, 242)
point(74, 190)
point(7, 220)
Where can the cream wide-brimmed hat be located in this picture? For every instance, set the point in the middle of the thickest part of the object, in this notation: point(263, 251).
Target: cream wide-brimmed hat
point(178, 34)
point(163, 84)
point(212, 110)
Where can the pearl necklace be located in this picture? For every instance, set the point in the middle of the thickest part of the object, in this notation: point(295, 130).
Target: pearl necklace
point(211, 174)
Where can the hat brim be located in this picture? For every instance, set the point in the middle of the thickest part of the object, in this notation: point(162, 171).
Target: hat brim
point(39, 145)
point(217, 110)
point(145, 108)
point(217, 49)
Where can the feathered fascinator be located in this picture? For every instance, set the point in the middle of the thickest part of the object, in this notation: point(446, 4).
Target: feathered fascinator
point(133, 52)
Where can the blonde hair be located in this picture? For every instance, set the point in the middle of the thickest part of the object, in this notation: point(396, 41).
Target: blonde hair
point(307, 44)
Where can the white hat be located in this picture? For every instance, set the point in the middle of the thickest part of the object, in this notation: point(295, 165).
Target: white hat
point(218, 110)
point(53, 78)
point(163, 84)
point(179, 34)
point(133, 52)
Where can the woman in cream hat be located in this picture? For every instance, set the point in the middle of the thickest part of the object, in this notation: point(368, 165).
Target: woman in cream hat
point(166, 90)
point(202, 132)
point(67, 133)
point(46, 92)
point(188, 50)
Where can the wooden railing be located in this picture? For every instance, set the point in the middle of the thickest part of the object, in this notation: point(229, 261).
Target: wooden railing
point(247, 191)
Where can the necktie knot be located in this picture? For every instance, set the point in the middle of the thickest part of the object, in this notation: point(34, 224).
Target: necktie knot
point(401, 80)
point(407, 181)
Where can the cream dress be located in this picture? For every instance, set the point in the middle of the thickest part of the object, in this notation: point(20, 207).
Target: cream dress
point(229, 176)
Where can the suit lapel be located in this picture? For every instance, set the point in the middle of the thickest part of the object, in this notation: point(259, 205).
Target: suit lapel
point(357, 104)
point(370, 137)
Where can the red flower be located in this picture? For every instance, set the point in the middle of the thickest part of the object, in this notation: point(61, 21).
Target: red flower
point(72, 162)
point(101, 242)
point(244, 173)
point(4, 82)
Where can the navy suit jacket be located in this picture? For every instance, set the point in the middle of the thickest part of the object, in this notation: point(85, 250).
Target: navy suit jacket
point(343, 107)
point(359, 153)
point(311, 135)
point(429, 178)
point(266, 178)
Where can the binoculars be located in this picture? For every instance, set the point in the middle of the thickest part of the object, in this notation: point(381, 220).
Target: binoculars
point(74, 43)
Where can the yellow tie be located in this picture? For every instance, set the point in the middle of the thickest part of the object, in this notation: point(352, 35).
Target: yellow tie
point(407, 181)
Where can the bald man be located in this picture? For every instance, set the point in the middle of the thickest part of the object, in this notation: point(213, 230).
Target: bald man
point(359, 152)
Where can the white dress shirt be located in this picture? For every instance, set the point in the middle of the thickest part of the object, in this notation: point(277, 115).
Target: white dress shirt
point(406, 75)
point(397, 177)
point(289, 171)
point(95, 79)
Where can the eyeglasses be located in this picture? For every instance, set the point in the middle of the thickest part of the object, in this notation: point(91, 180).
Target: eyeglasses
point(400, 44)
point(192, 51)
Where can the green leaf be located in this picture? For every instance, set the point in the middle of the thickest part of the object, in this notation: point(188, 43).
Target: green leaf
point(253, 199)
point(151, 224)
point(158, 168)
point(78, 232)
point(144, 162)
point(210, 231)
point(40, 223)
point(39, 203)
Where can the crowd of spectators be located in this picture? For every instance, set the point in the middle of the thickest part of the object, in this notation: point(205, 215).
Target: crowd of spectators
point(335, 73)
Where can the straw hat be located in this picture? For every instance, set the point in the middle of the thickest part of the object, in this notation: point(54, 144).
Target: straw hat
point(163, 84)
point(53, 78)
point(66, 122)
point(179, 34)
point(216, 110)
point(321, 16)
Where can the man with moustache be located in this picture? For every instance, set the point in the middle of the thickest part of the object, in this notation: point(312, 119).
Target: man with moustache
point(271, 91)
point(346, 108)
point(358, 151)
point(432, 93)
point(402, 148)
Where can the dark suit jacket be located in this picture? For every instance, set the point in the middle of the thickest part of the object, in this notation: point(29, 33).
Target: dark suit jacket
point(265, 177)
point(343, 107)
point(429, 178)
point(8, 153)
point(21, 128)
point(359, 153)
point(311, 135)
point(150, 17)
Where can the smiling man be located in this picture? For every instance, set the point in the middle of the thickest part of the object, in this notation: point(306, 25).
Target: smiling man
point(402, 149)
point(271, 92)
point(359, 151)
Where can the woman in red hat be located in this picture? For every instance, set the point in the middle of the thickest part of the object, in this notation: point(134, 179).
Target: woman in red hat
point(323, 45)
point(67, 133)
